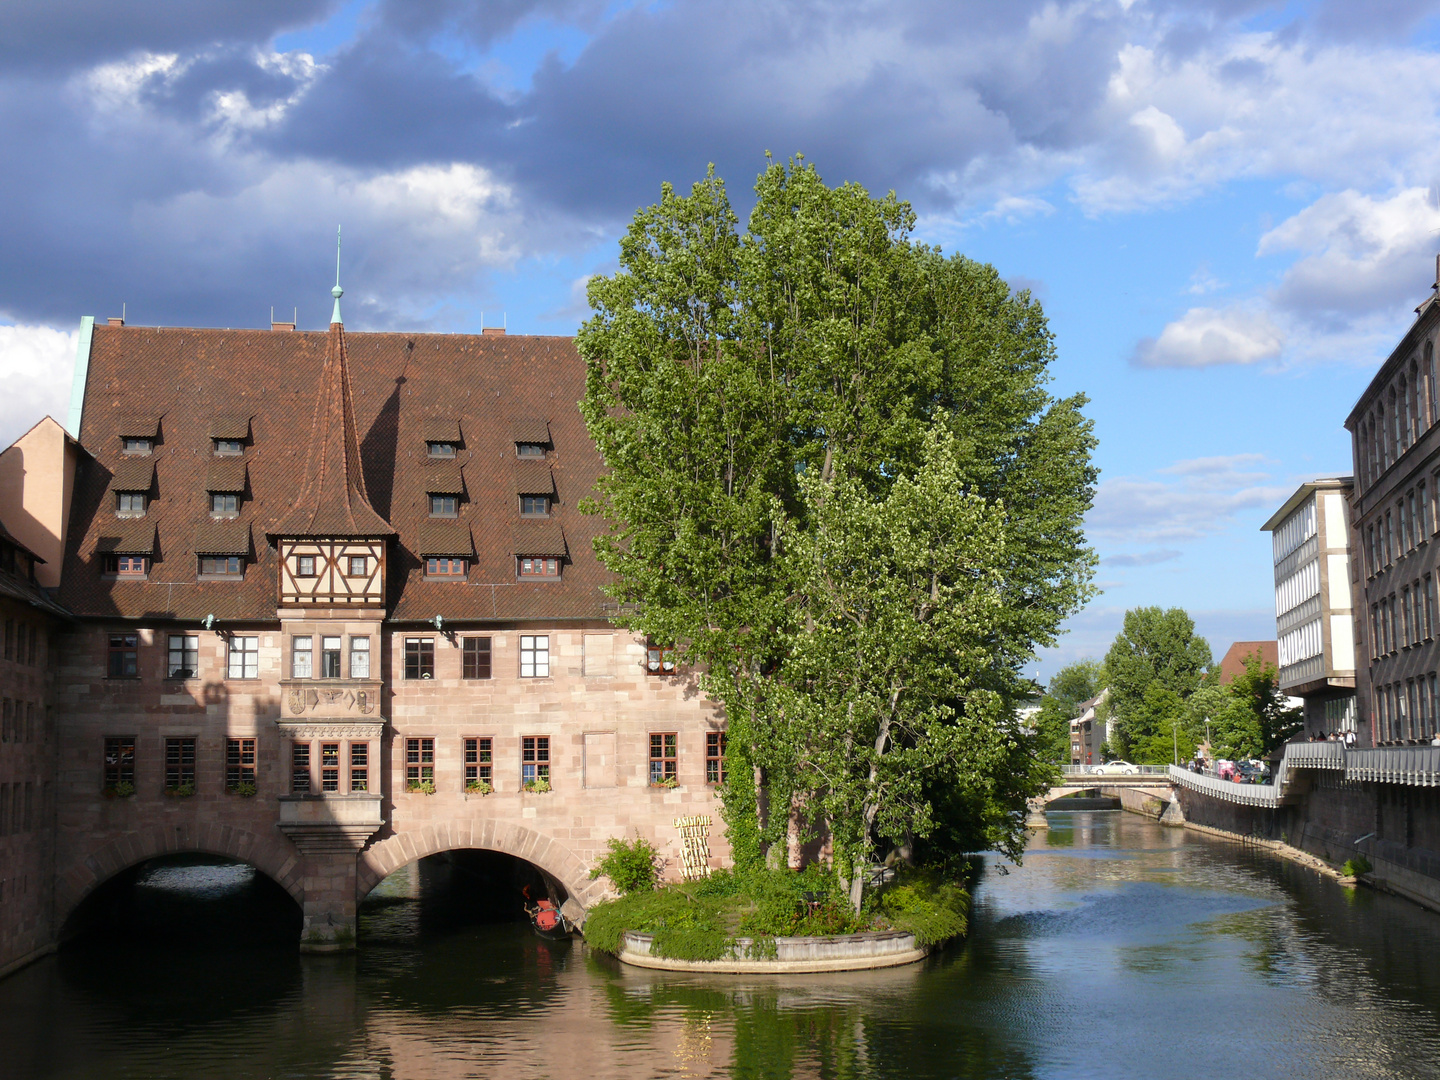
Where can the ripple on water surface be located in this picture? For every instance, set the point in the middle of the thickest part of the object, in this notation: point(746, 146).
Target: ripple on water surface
point(1118, 949)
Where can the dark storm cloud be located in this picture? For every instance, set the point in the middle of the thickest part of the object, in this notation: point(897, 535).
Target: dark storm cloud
point(140, 183)
point(60, 35)
point(480, 23)
point(383, 104)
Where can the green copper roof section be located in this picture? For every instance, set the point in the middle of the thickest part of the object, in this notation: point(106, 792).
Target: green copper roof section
point(82, 372)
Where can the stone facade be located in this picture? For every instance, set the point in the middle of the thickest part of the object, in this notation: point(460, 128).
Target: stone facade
point(27, 769)
point(329, 649)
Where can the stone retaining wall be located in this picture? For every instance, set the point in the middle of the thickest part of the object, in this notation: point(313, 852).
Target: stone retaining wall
point(844, 952)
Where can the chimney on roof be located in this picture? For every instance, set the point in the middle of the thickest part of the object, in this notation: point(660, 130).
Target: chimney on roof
point(498, 331)
point(116, 320)
point(281, 325)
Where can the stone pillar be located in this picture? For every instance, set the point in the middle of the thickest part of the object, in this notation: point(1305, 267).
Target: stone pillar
point(1035, 815)
point(329, 831)
point(329, 912)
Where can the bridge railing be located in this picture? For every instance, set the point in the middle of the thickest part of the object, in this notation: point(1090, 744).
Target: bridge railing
point(1089, 770)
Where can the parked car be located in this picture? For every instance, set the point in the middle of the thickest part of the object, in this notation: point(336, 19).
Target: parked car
point(1116, 768)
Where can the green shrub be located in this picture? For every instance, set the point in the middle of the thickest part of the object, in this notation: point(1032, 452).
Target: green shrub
point(420, 787)
point(1356, 866)
point(630, 865)
point(245, 789)
point(478, 787)
point(122, 790)
point(538, 787)
point(928, 905)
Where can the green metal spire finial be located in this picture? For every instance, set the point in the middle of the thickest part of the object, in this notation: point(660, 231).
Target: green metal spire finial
point(337, 291)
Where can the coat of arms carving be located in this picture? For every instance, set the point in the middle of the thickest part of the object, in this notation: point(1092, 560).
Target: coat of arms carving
point(297, 702)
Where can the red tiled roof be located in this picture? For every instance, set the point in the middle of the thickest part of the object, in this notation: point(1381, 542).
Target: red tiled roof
point(440, 429)
point(138, 425)
point(230, 426)
point(442, 537)
point(1233, 662)
point(530, 429)
point(226, 475)
point(538, 538)
point(442, 476)
point(223, 538)
point(134, 474)
point(332, 500)
point(533, 477)
point(399, 383)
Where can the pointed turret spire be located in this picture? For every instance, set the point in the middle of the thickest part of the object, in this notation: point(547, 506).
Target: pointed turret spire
point(337, 291)
point(332, 500)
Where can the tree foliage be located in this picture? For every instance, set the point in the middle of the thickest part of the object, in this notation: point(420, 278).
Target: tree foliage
point(1068, 687)
point(1249, 717)
point(1157, 650)
point(837, 484)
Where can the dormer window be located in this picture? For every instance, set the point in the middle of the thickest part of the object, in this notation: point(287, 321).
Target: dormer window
point(538, 568)
point(534, 505)
point(224, 505)
point(228, 447)
point(444, 506)
point(440, 449)
point(222, 566)
point(131, 445)
point(530, 450)
point(130, 504)
point(127, 566)
point(439, 566)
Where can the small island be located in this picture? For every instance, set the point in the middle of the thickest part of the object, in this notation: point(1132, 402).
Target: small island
point(770, 921)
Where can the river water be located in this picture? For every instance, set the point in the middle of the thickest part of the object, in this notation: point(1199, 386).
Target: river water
point(1119, 949)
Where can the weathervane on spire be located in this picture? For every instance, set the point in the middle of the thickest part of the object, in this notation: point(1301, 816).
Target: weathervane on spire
point(337, 291)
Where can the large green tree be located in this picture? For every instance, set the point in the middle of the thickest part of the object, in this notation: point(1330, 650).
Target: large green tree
point(1157, 650)
point(837, 484)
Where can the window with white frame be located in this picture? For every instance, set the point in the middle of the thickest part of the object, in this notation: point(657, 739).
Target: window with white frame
point(244, 657)
point(534, 656)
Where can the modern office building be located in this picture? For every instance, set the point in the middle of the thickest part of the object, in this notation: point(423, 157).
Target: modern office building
point(1314, 614)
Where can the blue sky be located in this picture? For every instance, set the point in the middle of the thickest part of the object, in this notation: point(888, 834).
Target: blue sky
point(1229, 208)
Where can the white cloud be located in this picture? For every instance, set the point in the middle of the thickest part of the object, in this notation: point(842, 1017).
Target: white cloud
point(1364, 262)
point(36, 364)
point(1202, 281)
point(1203, 337)
point(1203, 497)
point(427, 231)
point(1012, 209)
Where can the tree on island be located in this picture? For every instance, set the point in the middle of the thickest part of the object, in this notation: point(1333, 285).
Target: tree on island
point(837, 485)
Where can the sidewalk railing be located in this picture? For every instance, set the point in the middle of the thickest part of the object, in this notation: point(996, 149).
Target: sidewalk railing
point(1089, 770)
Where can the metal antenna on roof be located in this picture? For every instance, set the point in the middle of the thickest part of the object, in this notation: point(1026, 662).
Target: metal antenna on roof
point(337, 291)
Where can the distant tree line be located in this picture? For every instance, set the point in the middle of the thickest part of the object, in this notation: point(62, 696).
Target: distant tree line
point(1165, 691)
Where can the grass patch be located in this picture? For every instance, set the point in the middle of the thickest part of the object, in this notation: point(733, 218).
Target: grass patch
point(1356, 866)
point(703, 920)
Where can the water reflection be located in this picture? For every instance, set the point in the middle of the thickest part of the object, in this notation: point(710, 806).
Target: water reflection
point(1118, 949)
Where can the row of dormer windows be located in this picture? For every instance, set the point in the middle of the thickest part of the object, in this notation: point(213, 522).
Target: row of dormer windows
point(220, 447)
point(437, 567)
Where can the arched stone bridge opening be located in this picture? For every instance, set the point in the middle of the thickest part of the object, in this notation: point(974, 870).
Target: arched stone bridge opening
point(327, 885)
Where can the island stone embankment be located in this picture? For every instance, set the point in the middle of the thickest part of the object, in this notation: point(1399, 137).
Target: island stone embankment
point(793, 955)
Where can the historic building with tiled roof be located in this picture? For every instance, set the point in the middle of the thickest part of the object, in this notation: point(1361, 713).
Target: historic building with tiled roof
point(332, 607)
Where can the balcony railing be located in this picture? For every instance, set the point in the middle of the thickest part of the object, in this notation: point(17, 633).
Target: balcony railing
point(1413, 766)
